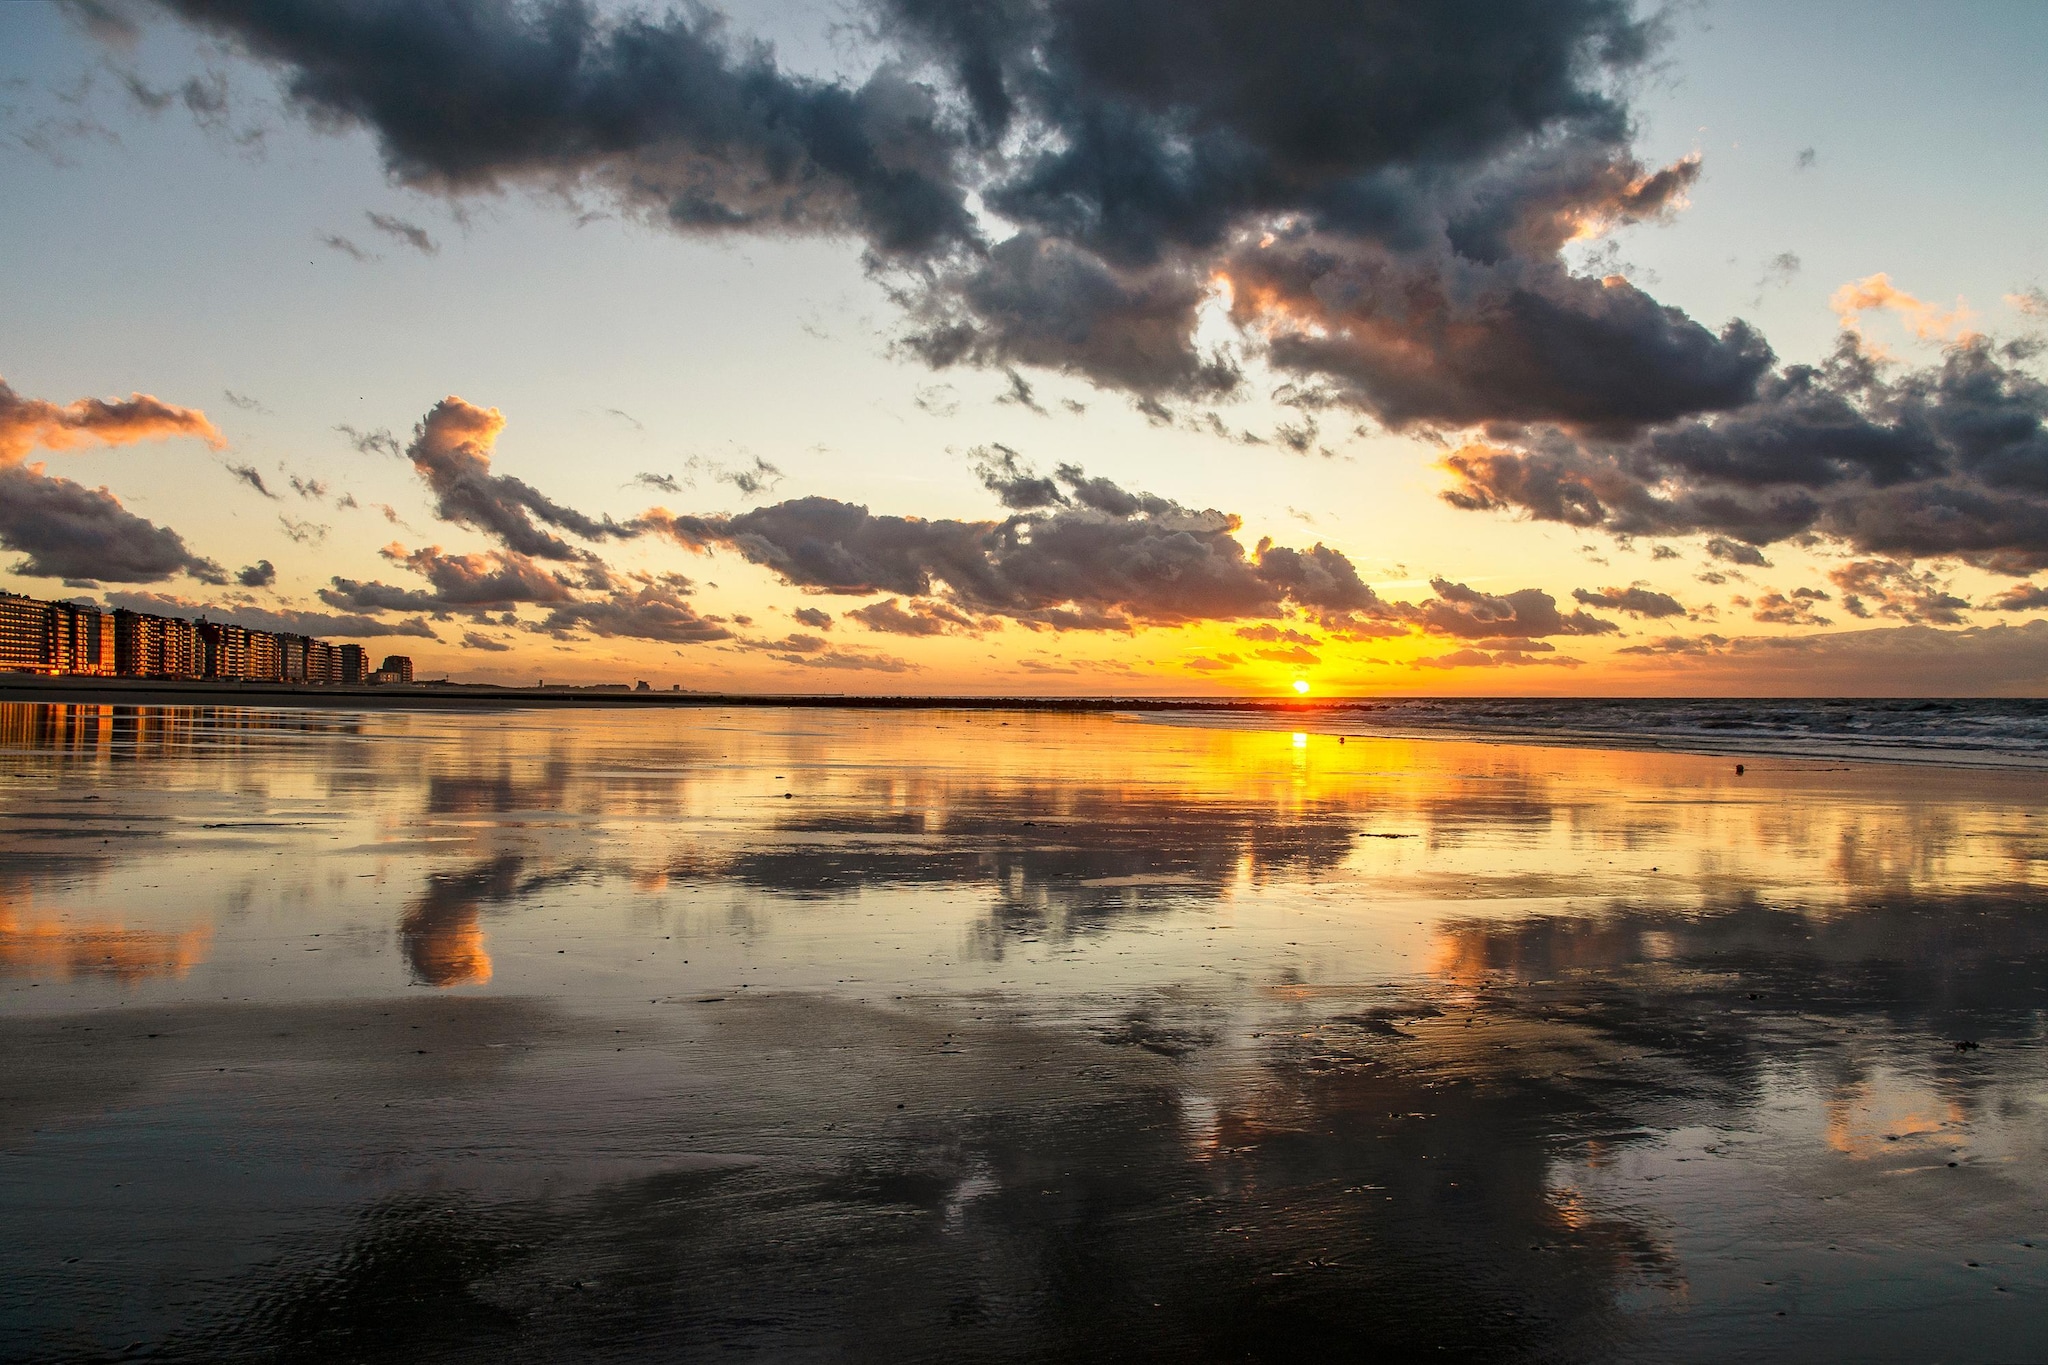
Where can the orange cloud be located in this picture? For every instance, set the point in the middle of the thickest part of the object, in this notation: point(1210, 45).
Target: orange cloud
point(29, 423)
point(1928, 322)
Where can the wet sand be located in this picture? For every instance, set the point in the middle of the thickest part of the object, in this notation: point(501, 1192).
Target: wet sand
point(840, 1034)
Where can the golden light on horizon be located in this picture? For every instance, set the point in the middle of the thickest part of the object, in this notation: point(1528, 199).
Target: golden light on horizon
point(1301, 687)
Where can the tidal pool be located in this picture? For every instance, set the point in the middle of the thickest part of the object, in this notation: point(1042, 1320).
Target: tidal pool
point(944, 1035)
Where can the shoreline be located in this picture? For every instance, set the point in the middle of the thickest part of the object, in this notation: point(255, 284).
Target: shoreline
point(1356, 717)
point(86, 690)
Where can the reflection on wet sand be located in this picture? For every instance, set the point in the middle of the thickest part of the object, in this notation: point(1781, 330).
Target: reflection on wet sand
point(942, 1037)
point(62, 949)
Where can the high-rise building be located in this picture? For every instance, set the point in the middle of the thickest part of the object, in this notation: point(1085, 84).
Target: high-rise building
point(266, 660)
point(181, 657)
point(138, 644)
point(224, 650)
point(81, 639)
point(322, 663)
point(399, 664)
point(69, 637)
point(24, 634)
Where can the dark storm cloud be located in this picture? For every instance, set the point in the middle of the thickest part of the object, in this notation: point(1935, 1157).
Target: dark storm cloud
point(66, 530)
point(451, 449)
point(1084, 554)
point(1386, 189)
point(1635, 600)
point(1039, 300)
point(1947, 460)
point(669, 115)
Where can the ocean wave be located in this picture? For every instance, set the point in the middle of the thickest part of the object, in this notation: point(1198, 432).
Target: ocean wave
point(1961, 732)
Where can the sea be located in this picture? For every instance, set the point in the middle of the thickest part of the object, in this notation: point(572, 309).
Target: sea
point(1968, 731)
point(1487, 1031)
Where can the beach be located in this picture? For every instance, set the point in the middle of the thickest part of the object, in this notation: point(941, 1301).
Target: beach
point(837, 1033)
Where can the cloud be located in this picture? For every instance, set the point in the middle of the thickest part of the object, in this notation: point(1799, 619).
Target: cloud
point(1882, 587)
point(261, 574)
point(1635, 600)
point(2020, 597)
point(1909, 661)
point(759, 477)
point(793, 643)
point(1307, 164)
point(314, 623)
point(1779, 271)
point(451, 449)
point(250, 475)
point(304, 532)
point(1877, 292)
point(243, 401)
point(1530, 613)
point(1951, 459)
point(411, 234)
point(473, 640)
point(1678, 644)
point(492, 579)
point(27, 424)
point(1271, 634)
point(1020, 393)
point(812, 617)
point(1480, 658)
point(1092, 556)
point(334, 241)
point(665, 115)
point(1776, 608)
point(371, 442)
point(311, 489)
point(2031, 303)
point(66, 530)
point(1735, 552)
point(664, 483)
point(656, 610)
point(925, 617)
point(849, 660)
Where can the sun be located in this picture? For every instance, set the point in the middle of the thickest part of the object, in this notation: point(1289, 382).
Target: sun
point(1301, 687)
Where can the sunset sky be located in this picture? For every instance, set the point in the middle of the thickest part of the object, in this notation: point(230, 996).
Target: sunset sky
point(1070, 346)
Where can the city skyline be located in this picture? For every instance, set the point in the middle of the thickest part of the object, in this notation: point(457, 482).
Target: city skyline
point(816, 351)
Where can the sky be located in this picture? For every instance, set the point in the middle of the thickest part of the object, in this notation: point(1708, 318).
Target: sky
point(1043, 346)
